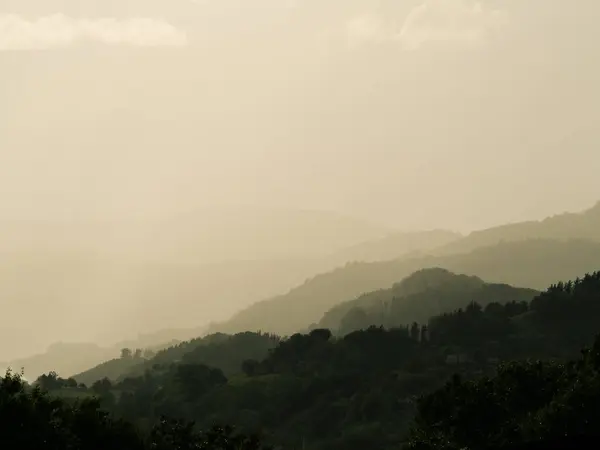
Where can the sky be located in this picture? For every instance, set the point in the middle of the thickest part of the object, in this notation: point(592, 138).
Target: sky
point(390, 111)
point(414, 114)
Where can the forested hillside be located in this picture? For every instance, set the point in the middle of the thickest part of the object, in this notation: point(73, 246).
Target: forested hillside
point(33, 419)
point(418, 297)
point(317, 391)
point(553, 404)
point(221, 351)
point(534, 263)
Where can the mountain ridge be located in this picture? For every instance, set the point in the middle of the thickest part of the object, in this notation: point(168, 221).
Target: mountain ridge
point(569, 225)
point(423, 294)
point(545, 260)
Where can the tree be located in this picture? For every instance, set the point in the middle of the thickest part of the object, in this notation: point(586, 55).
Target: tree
point(126, 353)
point(102, 386)
point(171, 434)
point(50, 381)
point(415, 331)
point(250, 367)
point(320, 334)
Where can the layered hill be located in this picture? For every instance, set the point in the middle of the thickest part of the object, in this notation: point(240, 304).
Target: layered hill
point(67, 359)
point(92, 279)
point(395, 245)
point(418, 297)
point(582, 225)
point(530, 263)
point(225, 352)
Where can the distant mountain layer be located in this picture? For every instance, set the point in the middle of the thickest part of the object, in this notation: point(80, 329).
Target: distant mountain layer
point(395, 245)
point(424, 294)
point(142, 275)
point(583, 225)
point(205, 235)
point(152, 295)
point(531, 263)
point(67, 359)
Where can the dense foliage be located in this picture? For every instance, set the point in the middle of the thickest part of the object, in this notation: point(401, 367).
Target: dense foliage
point(32, 419)
point(217, 350)
point(524, 402)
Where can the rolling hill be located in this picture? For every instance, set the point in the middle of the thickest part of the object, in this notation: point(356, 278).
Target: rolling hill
point(582, 225)
point(67, 359)
point(416, 298)
point(531, 263)
point(425, 293)
point(394, 246)
point(226, 352)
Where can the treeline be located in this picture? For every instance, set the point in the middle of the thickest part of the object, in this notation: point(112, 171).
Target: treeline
point(30, 418)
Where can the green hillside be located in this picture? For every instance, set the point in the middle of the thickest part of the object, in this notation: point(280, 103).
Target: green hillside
point(224, 352)
point(425, 293)
point(111, 369)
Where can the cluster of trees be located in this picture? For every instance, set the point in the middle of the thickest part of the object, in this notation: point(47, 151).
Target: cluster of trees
point(138, 353)
point(524, 402)
point(222, 351)
point(32, 419)
point(52, 382)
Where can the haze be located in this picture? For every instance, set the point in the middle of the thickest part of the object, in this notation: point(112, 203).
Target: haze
point(132, 128)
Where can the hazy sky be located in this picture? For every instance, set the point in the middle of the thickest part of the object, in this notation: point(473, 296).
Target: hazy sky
point(411, 114)
point(414, 113)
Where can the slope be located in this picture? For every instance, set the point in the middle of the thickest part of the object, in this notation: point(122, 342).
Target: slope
point(394, 246)
point(582, 225)
point(227, 353)
point(531, 263)
point(423, 294)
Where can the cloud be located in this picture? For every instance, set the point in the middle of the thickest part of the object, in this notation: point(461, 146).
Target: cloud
point(58, 30)
point(449, 21)
point(367, 28)
point(463, 22)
